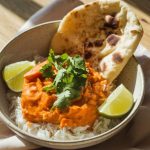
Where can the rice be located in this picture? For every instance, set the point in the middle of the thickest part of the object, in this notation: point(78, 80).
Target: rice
point(53, 132)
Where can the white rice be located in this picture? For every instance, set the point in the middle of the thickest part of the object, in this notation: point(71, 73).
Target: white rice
point(53, 132)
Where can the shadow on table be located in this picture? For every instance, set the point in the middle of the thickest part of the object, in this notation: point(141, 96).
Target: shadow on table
point(22, 8)
point(143, 5)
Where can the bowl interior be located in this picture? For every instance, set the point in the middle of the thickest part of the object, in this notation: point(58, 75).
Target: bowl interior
point(36, 41)
point(26, 46)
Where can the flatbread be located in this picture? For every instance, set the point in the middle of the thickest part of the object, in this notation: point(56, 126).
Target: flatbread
point(106, 33)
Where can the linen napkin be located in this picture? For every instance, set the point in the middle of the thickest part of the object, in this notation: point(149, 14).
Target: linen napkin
point(136, 136)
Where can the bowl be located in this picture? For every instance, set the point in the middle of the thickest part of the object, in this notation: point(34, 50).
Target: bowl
point(36, 41)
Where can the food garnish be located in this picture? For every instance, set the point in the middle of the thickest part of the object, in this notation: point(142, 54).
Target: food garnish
point(119, 102)
point(13, 74)
point(70, 78)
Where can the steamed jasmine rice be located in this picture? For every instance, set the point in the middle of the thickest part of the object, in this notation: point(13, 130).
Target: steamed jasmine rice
point(50, 131)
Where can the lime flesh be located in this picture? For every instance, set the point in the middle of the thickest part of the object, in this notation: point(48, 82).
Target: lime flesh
point(118, 103)
point(13, 74)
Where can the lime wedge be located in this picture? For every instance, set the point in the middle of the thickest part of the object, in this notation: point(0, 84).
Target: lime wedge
point(13, 74)
point(119, 102)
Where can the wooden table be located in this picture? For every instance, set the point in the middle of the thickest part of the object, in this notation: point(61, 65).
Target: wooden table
point(13, 14)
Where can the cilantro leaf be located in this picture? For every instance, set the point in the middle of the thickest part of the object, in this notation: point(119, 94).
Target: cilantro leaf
point(79, 63)
point(49, 88)
point(47, 71)
point(70, 78)
point(59, 76)
point(62, 100)
point(58, 80)
point(51, 57)
point(65, 98)
point(64, 57)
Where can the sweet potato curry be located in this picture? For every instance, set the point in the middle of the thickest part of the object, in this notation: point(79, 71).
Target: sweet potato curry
point(63, 90)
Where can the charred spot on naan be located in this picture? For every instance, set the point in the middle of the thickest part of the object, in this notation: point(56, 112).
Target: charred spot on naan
point(108, 33)
point(93, 43)
point(113, 39)
point(87, 55)
point(117, 58)
point(88, 44)
point(92, 48)
point(76, 14)
point(98, 43)
point(103, 67)
point(111, 21)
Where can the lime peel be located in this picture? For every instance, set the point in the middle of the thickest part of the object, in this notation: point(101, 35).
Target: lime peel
point(119, 103)
point(13, 74)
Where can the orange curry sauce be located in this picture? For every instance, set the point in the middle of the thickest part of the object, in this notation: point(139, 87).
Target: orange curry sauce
point(36, 103)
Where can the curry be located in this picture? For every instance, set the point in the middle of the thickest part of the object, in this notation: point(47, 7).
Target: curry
point(37, 103)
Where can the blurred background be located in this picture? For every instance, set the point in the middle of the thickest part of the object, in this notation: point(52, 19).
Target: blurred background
point(14, 13)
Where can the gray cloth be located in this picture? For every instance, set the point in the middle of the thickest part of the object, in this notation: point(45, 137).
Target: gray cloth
point(136, 135)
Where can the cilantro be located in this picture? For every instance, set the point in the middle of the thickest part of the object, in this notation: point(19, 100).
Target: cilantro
point(63, 100)
point(49, 88)
point(59, 76)
point(47, 71)
point(70, 78)
point(64, 57)
point(51, 57)
point(58, 80)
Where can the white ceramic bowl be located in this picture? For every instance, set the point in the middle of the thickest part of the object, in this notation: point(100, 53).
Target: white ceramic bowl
point(36, 41)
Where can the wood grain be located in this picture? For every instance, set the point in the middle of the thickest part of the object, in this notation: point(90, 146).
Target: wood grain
point(13, 13)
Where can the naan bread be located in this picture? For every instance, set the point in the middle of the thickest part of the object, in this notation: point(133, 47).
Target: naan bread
point(106, 33)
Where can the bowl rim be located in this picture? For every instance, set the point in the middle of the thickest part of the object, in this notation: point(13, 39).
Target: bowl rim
point(129, 116)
